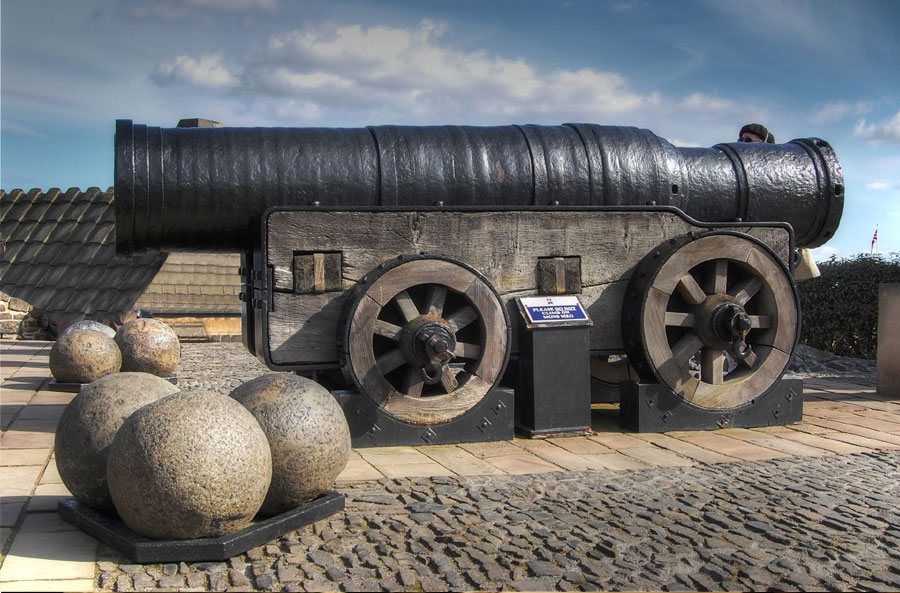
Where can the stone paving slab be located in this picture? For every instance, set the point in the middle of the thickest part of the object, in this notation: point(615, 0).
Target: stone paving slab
point(460, 461)
point(617, 442)
point(34, 555)
point(821, 442)
point(686, 449)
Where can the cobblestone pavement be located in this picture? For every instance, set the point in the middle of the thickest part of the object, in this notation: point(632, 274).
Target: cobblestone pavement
point(217, 366)
point(829, 523)
point(824, 523)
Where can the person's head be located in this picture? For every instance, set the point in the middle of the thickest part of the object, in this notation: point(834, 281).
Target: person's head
point(754, 133)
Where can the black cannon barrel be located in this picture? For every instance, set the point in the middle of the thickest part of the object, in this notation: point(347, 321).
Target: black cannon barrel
point(204, 189)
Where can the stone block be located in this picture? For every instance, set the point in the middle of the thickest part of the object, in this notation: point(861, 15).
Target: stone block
point(19, 305)
point(889, 339)
point(90, 423)
point(191, 465)
point(307, 433)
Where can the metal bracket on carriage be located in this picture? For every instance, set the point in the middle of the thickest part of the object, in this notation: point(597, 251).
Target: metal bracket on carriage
point(732, 319)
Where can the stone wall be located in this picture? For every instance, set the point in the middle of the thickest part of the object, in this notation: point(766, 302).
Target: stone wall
point(17, 319)
point(888, 339)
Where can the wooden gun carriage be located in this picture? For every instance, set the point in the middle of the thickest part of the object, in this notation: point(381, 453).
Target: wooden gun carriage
point(387, 260)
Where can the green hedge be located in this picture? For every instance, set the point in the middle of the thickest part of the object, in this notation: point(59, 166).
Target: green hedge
point(840, 308)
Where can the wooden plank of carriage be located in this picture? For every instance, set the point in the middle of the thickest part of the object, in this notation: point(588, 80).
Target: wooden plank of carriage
point(504, 246)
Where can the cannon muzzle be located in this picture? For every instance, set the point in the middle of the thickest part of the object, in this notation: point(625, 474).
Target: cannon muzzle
point(204, 189)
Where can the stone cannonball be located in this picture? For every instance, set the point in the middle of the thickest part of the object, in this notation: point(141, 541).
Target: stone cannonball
point(307, 432)
point(149, 346)
point(87, 428)
point(191, 465)
point(91, 324)
point(84, 356)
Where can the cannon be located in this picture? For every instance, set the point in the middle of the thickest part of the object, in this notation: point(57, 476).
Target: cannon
point(390, 259)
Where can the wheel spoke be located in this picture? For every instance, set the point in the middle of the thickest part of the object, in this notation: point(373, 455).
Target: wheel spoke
point(389, 361)
point(407, 306)
point(461, 318)
point(749, 361)
point(388, 330)
point(746, 290)
point(717, 282)
point(448, 379)
point(435, 303)
point(685, 348)
point(675, 319)
point(690, 290)
point(467, 350)
point(760, 321)
point(712, 366)
point(413, 383)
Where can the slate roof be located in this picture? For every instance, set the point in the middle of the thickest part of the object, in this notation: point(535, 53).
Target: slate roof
point(60, 254)
point(195, 284)
point(60, 257)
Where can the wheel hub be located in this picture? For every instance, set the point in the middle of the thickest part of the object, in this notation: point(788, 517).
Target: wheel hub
point(428, 342)
point(730, 321)
point(720, 320)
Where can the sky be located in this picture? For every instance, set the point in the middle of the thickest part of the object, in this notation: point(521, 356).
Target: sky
point(692, 71)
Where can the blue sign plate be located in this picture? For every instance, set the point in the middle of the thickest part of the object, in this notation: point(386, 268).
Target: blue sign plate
point(555, 309)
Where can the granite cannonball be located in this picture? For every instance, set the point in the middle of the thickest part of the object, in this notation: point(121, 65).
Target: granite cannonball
point(87, 428)
point(91, 324)
point(307, 432)
point(149, 346)
point(84, 356)
point(195, 464)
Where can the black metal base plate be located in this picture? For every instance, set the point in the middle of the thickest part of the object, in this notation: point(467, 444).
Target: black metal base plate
point(116, 535)
point(547, 433)
point(651, 407)
point(491, 419)
point(55, 385)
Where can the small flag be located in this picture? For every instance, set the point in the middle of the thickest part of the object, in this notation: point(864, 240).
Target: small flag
point(874, 246)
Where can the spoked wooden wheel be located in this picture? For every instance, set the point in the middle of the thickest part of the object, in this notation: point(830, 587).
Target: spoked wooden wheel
point(697, 303)
point(425, 337)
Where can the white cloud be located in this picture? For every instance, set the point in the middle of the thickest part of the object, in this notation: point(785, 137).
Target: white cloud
point(177, 9)
point(15, 128)
point(206, 71)
point(887, 132)
point(412, 70)
point(837, 110)
point(353, 73)
point(624, 5)
point(703, 103)
point(802, 22)
point(825, 252)
point(684, 144)
point(234, 5)
point(882, 185)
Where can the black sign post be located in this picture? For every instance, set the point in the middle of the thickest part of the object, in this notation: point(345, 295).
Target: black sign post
point(553, 397)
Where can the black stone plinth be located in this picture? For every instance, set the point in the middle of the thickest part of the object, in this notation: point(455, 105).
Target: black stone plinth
point(491, 419)
point(651, 407)
point(55, 385)
point(116, 535)
point(554, 390)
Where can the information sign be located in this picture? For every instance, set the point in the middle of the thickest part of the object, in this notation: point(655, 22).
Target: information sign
point(557, 310)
